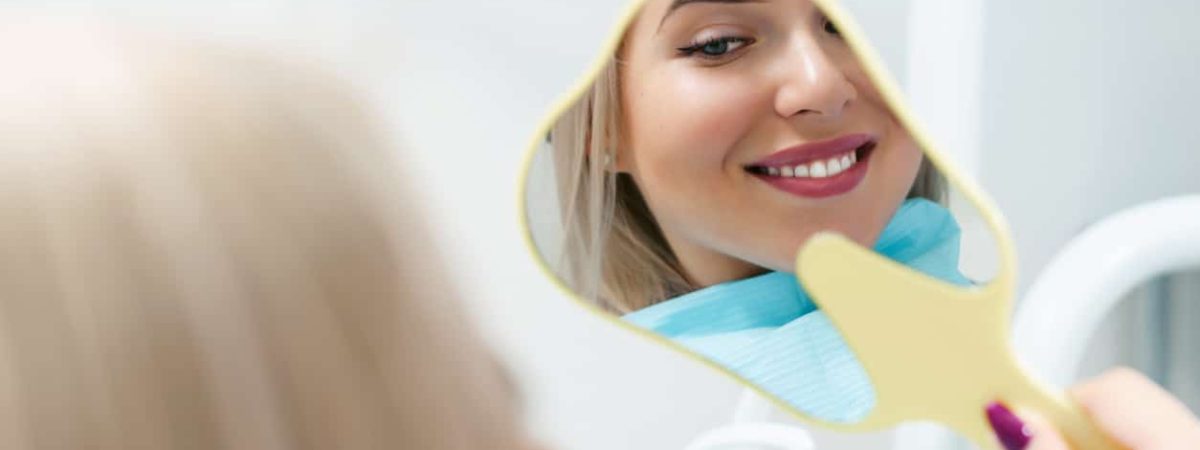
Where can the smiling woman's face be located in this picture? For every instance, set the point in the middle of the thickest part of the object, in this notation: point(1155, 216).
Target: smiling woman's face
point(740, 120)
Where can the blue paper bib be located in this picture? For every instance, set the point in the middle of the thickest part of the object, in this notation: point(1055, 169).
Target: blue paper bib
point(767, 330)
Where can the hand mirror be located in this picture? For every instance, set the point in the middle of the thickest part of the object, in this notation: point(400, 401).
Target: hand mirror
point(741, 181)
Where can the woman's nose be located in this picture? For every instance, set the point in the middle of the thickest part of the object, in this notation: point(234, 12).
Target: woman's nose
point(811, 83)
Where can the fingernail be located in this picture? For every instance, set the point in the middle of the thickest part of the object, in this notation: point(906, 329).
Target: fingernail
point(1013, 433)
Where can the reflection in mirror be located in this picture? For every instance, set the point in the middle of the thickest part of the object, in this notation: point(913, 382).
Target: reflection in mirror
point(677, 191)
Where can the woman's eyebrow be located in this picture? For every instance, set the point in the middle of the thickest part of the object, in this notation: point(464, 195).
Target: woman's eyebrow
point(676, 4)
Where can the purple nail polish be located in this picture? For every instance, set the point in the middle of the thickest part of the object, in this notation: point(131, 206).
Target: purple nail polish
point(1013, 433)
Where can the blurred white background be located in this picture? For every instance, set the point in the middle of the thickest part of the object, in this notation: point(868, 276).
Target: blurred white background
point(1065, 110)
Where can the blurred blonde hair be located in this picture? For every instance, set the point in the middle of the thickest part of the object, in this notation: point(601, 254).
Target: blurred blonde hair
point(614, 253)
point(204, 248)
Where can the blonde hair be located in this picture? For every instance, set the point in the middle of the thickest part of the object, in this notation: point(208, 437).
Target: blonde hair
point(614, 252)
point(207, 249)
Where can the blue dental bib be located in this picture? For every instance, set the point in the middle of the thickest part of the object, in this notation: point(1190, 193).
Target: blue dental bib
point(767, 330)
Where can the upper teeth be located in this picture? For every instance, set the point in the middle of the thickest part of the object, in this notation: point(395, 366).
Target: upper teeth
point(817, 169)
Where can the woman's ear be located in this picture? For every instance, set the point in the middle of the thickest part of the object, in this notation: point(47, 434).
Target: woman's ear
point(622, 156)
point(618, 161)
point(609, 160)
point(606, 158)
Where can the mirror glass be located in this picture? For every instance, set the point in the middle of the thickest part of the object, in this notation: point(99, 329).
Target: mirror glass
point(675, 193)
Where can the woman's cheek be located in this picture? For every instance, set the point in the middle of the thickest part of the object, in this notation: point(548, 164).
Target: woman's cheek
point(698, 128)
point(718, 109)
point(908, 164)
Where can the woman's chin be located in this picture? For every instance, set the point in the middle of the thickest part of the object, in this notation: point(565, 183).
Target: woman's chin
point(779, 263)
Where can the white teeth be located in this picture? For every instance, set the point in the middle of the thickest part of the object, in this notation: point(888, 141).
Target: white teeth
point(833, 166)
point(817, 170)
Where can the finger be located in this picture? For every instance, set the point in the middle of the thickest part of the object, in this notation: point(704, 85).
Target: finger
point(1137, 412)
point(1045, 436)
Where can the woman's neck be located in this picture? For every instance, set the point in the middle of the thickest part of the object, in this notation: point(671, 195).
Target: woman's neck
point(705, 267)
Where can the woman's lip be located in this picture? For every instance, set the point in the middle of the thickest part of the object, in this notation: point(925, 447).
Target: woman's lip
point(809, 187)
point(813, 151)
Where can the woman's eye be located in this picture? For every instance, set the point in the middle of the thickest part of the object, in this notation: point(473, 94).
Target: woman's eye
point(715, 48)
point(831, 28)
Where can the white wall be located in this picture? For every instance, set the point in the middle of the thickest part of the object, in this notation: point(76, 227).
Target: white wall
point(1088, 108)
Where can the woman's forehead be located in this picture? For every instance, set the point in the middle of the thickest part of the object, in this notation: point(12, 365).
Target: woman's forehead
point(673, 5)
point(655, 13)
